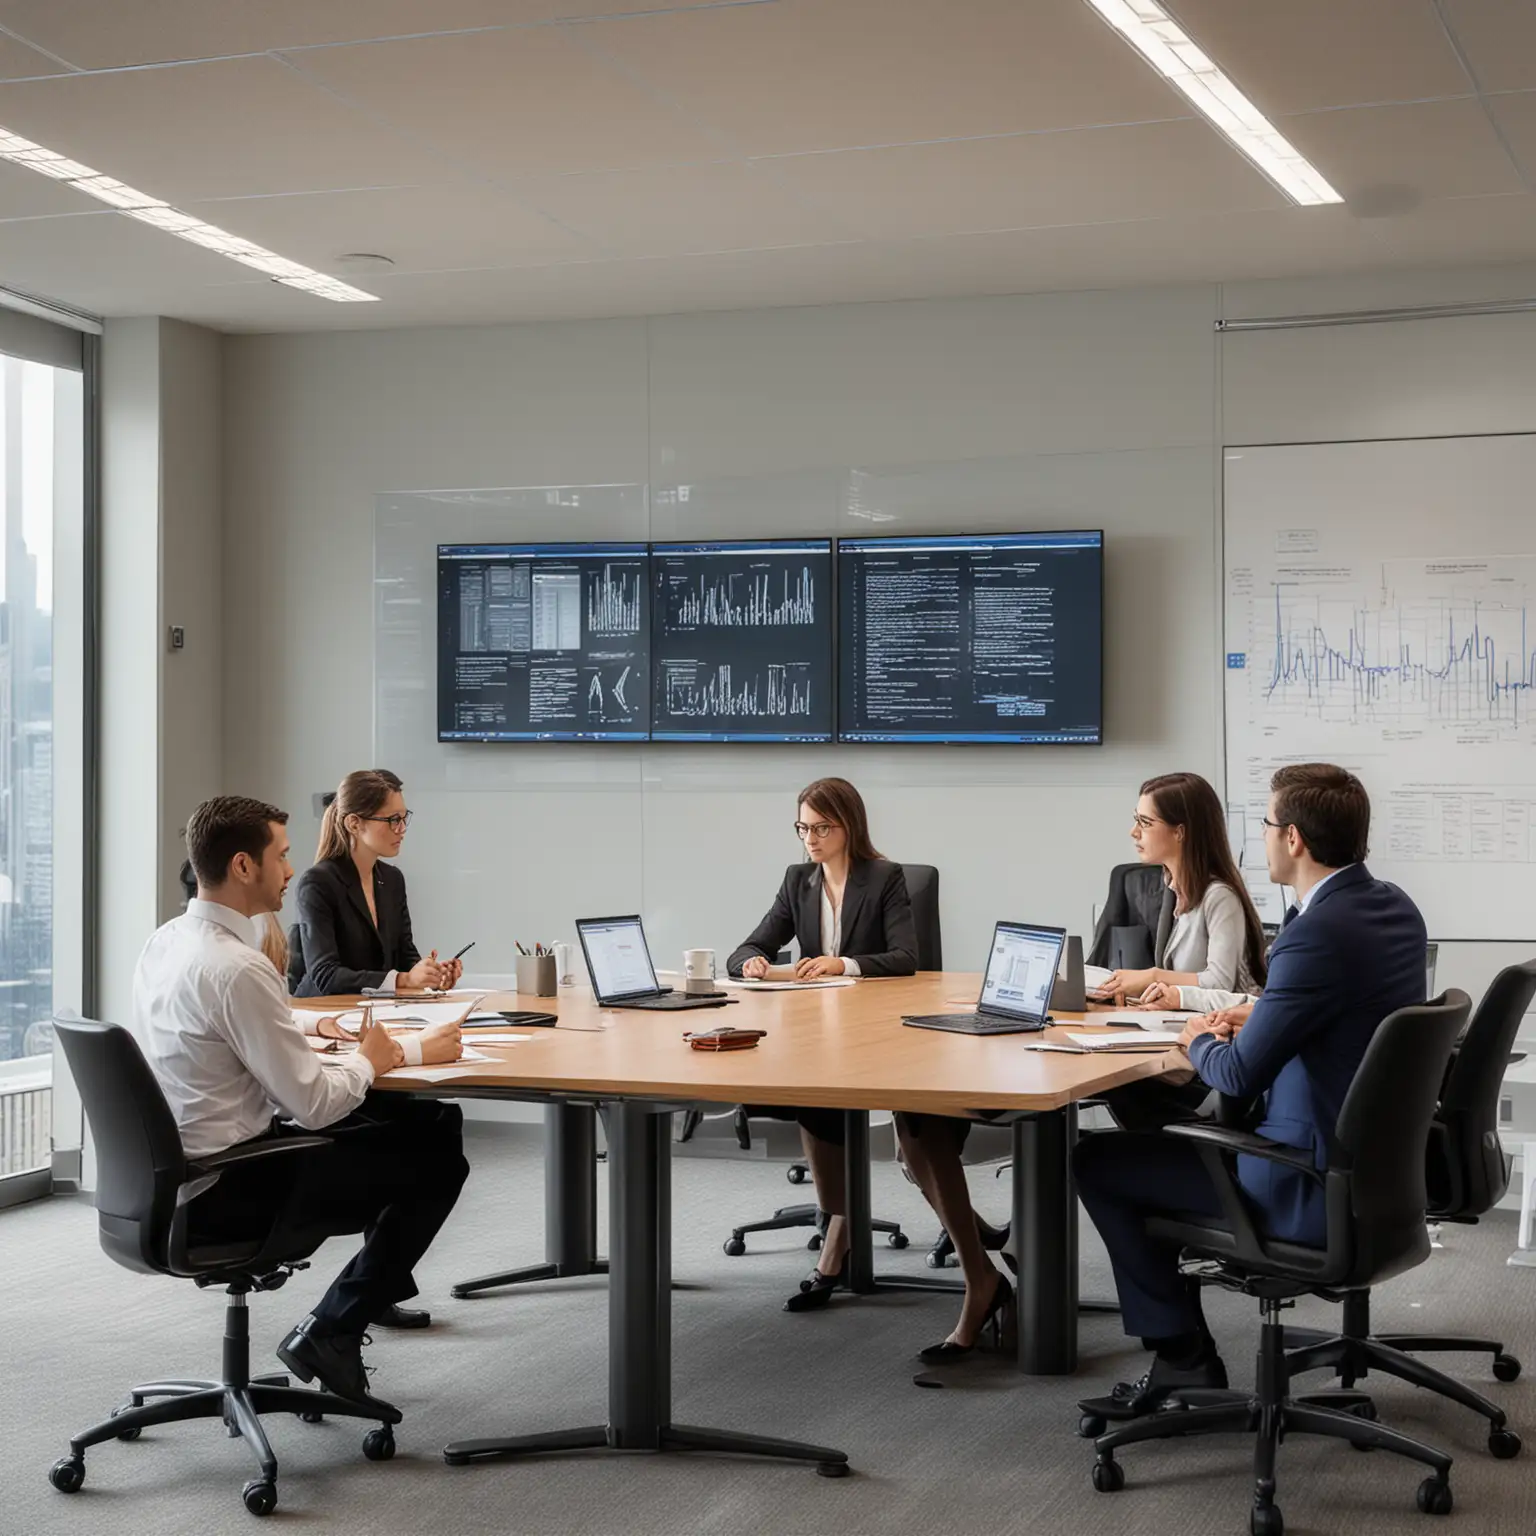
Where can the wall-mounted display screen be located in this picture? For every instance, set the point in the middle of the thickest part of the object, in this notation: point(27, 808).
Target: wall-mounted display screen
point(741, 641)
point(991, 638)
point(543, 642)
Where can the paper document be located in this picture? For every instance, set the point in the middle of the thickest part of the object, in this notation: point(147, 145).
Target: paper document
point(419, 1014)
point(786, 986)
point(495, 1037)
point(1132, 1039)
point(1094, 976)
point(1139, 1020)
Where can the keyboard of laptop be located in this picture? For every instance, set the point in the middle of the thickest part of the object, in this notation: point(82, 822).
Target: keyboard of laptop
point(976, 1023)
point(1016, 990)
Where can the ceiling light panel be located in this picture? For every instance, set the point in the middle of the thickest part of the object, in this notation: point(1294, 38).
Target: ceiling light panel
point(160, 215)
point(1165, 45)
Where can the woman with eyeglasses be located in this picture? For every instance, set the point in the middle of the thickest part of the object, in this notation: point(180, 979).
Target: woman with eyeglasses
point(354, 925)
point(848, 908)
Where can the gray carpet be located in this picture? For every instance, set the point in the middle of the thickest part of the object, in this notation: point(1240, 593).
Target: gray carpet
point(994, 1451)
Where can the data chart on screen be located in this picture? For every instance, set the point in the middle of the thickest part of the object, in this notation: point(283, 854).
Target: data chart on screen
point(741, 641)
point(543, 642)
point(991, 638)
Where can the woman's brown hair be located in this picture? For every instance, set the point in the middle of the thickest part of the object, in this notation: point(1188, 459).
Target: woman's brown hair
point(1186, 800)
point(359, 794)
point(840, 802)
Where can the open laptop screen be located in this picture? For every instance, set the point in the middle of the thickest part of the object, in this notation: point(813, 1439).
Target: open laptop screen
point(1021, 970)
point(618, 959)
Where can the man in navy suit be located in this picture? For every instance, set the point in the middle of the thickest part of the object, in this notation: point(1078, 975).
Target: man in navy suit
point(1350, 953)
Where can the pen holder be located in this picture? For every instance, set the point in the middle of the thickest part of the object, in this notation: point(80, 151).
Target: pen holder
point(536, 975)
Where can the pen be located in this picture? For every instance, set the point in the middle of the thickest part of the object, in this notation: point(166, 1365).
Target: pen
point(465, 950)
point(520, 948)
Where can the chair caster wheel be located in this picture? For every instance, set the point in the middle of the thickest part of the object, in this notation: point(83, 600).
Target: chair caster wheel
point(831, 1469)
point(1266, 1520)
point(813, 1242)
point(260, 1497)
point(1108, 1476)
point(795, 1174)
point(310, 1417)
point(933, 1260)
point(67, 1474)
point(1506, 1367)
point(1090, 1426)
point(1504, 1443)
point(735, 1247)
point(898, 1240)
point(1435, 1496)
point(379, 1444)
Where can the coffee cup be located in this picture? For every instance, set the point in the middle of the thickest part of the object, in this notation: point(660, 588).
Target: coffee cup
point(699, 972)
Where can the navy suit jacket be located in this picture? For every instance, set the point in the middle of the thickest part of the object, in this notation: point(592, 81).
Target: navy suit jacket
point(1335, 972)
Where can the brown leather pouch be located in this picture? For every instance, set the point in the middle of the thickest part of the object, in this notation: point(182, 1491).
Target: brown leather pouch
point(726, 1038)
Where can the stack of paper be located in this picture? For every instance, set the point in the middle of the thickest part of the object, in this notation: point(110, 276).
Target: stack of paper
point(1118, 1041)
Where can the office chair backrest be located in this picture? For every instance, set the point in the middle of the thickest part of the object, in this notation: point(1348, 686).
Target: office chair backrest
point(1468, 1172)
point(923, 889)
point(139, 1157)
point(295, 958)
point(1383, 1133)
point(1126, 934)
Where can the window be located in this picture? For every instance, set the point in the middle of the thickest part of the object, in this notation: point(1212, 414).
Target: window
point(42, 736)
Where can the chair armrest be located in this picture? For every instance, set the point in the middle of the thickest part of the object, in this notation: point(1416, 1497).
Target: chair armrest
point(250, 1152)
point(1247, 1144)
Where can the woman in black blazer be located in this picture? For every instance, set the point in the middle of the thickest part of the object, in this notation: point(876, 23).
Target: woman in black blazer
point(849, 910)
point(354, 925)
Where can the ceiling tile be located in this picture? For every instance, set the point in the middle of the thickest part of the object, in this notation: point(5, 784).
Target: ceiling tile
point(1516, 117)
point(1463, 230)
point(238, 128)
point(418, 228)
point(512, 103)
point(1303, 55)
point(19, 62)
point(1499, 38)
point(1031, 180)
point(26, 195)
point(109, 34)
point(1431, 150)
point(672, 210)
point(830, 74)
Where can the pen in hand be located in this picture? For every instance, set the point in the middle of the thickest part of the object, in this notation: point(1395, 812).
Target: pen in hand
point(465, 950)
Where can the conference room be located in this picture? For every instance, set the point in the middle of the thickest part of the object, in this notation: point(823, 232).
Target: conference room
point(980, 552)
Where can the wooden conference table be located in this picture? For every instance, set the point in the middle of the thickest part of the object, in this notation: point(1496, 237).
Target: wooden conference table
point(838, 1047)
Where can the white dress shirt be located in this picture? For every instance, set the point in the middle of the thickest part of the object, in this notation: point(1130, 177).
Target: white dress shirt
point(1303, 902)
point(214, 1022)
point(832, 930)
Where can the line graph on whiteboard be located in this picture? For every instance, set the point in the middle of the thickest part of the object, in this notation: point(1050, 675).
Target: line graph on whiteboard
point(1440, 646)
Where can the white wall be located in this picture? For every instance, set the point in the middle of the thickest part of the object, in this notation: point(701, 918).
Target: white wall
point(1094, 409)
point(1075, 410)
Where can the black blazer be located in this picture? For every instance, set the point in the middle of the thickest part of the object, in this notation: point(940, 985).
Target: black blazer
point(877, 924)
point(340, 949)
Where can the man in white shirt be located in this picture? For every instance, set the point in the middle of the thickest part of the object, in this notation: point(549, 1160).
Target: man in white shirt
point(214, 1021)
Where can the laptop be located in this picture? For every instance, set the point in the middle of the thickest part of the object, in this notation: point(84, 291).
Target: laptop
point(619, 963)
point(1016, 991)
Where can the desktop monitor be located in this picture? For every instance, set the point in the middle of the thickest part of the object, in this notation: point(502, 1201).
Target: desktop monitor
point(543, 642)
point(971, 638)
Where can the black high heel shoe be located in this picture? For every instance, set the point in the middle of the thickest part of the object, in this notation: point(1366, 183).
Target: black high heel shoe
point(816, 1290)
point(992, 1323)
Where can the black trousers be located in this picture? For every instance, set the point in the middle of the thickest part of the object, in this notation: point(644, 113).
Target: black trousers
point(393, 1172)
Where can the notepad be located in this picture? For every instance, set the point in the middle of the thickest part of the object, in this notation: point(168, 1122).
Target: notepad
point(417, 1015)
point(493, 1037)
point(1094, 976)
point(1137, 1039)
point(748, 985)
point(1143, 1020)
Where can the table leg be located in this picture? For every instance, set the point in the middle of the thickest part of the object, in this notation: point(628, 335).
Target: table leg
point(1045, 1226)
point(570, 1204)
point(640, 1319)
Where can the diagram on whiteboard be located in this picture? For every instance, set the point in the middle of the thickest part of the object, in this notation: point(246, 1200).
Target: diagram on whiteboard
point(1381, 613)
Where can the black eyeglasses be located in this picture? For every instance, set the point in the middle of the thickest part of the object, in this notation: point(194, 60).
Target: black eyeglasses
point(396, 823)
point(1274, 826)
point(804, 830)
point(1144, 822)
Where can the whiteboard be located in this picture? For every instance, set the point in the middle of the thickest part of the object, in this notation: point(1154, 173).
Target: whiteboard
point(1380, 613)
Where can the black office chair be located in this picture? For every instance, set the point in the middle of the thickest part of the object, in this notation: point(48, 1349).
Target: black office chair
point(142, 1224)
point(1126, 935)
point(1466, 1174)
point(923, 890)
point(1375, 1200)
